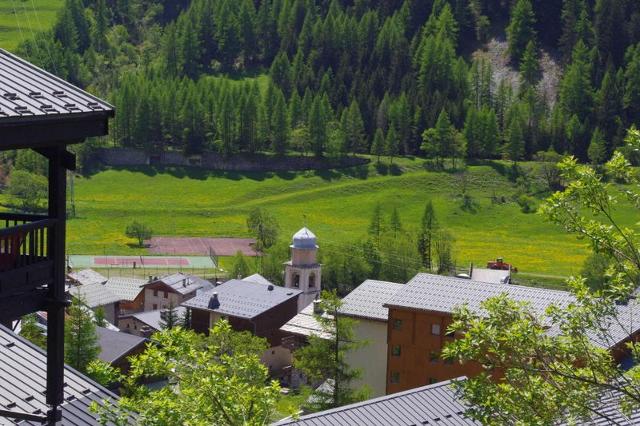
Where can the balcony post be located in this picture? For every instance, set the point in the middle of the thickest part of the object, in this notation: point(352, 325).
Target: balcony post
point(56, 297)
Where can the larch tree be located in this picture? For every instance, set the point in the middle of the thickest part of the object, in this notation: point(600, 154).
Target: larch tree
point(521, 29)
point(377, 146)
point(429, 226)
point(80, 337)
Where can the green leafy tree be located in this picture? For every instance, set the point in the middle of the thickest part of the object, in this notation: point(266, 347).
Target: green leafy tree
point(28, 190)
point(325, 358)
point(561, 376)
point(224, 366)
point(30, 330)
point(239, 268)
point(264, 226)
point(80, 337)
point(139, 231)
point(104, 373)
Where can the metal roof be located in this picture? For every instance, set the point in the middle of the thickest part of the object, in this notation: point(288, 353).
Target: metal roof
point(243, 299)
point(153, 318)
point(442, 294)
point(368, 299)
point(436, 404)
point(257, 278)
point(94, 294)
point(87, 276)
point(23, 372)
point(114, 344)
point(183, 284)
point(125, 288)
point(305, 324)
point(486, 275)
point(29, 91)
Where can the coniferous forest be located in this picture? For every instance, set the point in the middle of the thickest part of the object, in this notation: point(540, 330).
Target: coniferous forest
point(386, 77)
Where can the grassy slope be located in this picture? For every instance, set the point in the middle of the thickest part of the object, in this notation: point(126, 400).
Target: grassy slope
point(337, 205)
point(19, 19)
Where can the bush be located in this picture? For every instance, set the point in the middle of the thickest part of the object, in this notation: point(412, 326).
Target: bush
point(28, 190)
point(527, 204)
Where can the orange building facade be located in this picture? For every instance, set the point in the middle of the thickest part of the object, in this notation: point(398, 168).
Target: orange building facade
point(415, 340)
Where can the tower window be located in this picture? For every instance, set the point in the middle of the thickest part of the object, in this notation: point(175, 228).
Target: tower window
point(312, 281)
point(296, 280)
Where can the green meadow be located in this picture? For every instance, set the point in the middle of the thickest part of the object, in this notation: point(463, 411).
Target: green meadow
point(335, 204)
point(20, 19)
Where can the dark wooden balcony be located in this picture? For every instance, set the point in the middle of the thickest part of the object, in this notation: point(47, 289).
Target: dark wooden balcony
point(26, 263)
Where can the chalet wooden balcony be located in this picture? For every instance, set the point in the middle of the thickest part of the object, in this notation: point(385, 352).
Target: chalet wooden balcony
point(26, 263)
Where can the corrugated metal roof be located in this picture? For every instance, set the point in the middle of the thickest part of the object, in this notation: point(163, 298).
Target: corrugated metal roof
point(257, 278)
point(368, 299)
point(436, 404)
point(87, 276)
point(243, 299)
point(115, 344)
point(490, 275)
point(23, 382)
point(29, 91)
point(442, 294)
point(94, 294)
point(184, 284)
point(305, 324)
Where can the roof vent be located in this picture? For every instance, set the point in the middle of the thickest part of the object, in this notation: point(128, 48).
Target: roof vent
point(36, 95)
point(10, 96)
point(270, 287)
point(94, 106)
point(59, 94)
point(22, 110)
point(214, 303)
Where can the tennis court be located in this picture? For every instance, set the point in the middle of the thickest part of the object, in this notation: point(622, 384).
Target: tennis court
point(168, 262)
point(201, 246)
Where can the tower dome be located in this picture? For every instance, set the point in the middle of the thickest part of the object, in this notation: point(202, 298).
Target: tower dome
point(304, 239)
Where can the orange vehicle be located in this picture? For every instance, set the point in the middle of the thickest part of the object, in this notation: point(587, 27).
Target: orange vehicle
point(500, 264)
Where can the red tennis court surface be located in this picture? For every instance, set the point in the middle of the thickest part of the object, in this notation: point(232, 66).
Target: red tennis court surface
point(202, 246)
point(145, 261)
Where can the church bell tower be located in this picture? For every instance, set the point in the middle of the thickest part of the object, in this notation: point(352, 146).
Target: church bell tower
point(302, 272)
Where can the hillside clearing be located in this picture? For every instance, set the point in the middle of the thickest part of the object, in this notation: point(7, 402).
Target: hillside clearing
point(20, 19)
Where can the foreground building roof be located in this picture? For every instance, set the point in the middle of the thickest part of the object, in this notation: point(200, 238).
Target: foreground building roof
point(22, 384)
point(436, 404)
point(242, 299)
point(436, 293)
point(368, 299)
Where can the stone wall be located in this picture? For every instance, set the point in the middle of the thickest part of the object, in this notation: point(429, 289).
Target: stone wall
point(122, 157)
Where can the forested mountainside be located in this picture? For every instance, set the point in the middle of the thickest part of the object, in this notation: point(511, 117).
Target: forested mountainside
point(365, 76)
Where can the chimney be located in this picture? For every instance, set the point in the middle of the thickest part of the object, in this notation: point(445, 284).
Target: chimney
point(214, 303)
point(270, 287)
point(150, 278)
point(317, 307)
point(184, 282)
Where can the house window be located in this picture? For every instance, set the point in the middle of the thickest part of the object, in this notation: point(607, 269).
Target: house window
point(166, 294)
point(155, 306)
point(135, 327)
point(395, 351)
point(155, 293)
point(433, 356)
point(397, 324)
point(395, 377)
point(435, 329)
point(128, 325)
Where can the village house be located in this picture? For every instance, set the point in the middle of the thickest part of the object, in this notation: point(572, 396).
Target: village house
point(116, 347)
point(144, 324)
point(160, 293)
point(421, 311)
point(248, 306)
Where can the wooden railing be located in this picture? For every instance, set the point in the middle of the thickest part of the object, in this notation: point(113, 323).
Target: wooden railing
point(23, 240)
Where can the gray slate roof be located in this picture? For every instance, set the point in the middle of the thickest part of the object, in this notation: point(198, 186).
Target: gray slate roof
point(442, 294)
point(436, 404)
point(125, 288)
point(26, 90)
point(305, 324)
point(87, 276)
point(243, 299)
point(94, 294)
point(23, 382)
point(257, 278)
point(368, 299)
point(183, 283)
point(115, 344)
point(153, 318)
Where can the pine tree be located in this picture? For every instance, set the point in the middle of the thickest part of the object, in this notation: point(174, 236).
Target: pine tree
point(100, 31)
point(281, 129)
point(529, 66)
point(81, 341)
point(515, 138)
point(30, 330)
point(597, 148)
point(169, 317)
point(317, 127)
point(394, 222)
point(521, 29)
point(240, 267)
point(631, 99)
point(376, 227)
point(427, 233)
point(353, 129)
point(576, 91)
point(391, 144)
point(281, 73)
point(377, 147)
